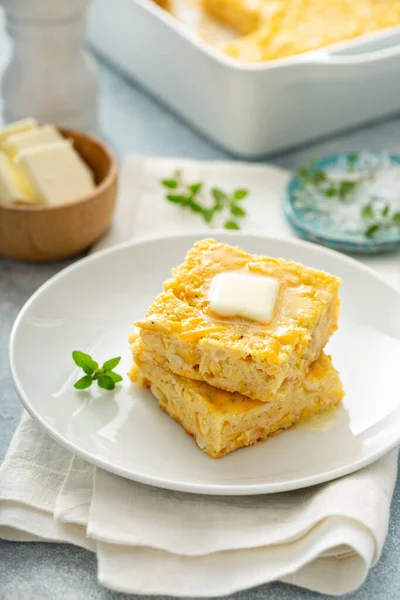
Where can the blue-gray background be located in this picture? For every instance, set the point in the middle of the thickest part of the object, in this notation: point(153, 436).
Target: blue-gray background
point(132, 122)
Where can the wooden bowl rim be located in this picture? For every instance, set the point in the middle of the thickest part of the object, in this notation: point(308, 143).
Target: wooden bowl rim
point(107, 181)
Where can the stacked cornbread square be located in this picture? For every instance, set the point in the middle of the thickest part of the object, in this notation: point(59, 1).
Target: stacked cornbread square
point(231, 381)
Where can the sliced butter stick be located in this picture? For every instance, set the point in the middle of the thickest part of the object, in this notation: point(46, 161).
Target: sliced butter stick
point(33, 138)
point(17, 127)
point(13, 187)
point(55, 172)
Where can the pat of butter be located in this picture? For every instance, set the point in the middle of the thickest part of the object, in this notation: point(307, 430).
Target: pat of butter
point(17, 127)
point(13, 188)
point(235, 294)
point(17, 142)
point(55, 172)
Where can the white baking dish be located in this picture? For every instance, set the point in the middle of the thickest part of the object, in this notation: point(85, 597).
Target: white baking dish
point(249, 109)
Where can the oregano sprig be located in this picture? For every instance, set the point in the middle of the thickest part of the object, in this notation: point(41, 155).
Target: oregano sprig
point(376, 215)
point(378, 220)
point(331, 188)
point(192, 197)
point(105, 376)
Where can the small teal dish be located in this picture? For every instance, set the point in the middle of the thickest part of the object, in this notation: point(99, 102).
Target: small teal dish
point(312, 221)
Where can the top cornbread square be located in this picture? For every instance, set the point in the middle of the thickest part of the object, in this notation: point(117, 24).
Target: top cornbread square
point(181, 333)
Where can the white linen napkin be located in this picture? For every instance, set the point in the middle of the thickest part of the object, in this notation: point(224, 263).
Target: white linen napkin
point(153, 541)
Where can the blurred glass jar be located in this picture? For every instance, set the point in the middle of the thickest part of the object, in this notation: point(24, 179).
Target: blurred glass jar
point(49, 75)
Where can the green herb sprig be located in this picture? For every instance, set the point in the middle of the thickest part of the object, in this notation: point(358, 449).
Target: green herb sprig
point(351, 160)
point(105, 376)
point(378, 220)
point(191, 196)
point(342, 190)
point(374, 216)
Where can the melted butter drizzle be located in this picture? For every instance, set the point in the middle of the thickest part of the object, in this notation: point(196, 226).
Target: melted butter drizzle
point(290, 301)
point(322, 421)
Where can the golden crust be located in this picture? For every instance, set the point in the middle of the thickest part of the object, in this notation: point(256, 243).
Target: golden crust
point(281, 28)
point(221, 422)
point(182, 334)
point(243, 16)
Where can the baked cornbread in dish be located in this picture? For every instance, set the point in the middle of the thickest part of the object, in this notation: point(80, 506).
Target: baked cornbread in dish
point(221, 422)
point(282, 28)
point(268, 30)
point(180, 332)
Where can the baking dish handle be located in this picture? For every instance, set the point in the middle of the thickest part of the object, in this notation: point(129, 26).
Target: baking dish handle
point(383, 48)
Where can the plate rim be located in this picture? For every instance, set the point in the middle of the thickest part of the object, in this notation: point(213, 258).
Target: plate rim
point(196, 488)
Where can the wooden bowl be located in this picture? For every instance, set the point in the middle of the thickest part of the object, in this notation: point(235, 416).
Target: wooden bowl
point(48, 233)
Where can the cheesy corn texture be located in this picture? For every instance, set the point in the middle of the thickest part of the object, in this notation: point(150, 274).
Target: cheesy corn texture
point(231, 382)
point(272, 29)
point(180, 332)
point(221, 422)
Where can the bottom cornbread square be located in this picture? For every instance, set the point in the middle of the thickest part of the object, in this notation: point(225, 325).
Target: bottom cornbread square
point(221, 422)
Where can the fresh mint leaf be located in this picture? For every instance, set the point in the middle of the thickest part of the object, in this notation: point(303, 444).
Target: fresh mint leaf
point(231, 225)
point(240, 194)
point(385, 210)
point(303, 174)
point(195, 206)
point(346, 188)
point(367, 212)
point(195, 188)
point(83, 383)
point(238, 211)
point(312, 175)
point(105, 377)
point(177, 198)
point(79, 357)
point(87, 369)
point(371, 230)
point(170, 183)
point(396, 219)
point(351, 160)
point(218, 195)
point(111, 363)
point(208, 216)
point(187, 196)
point(319, 177)
point(331, 192)
point(218, 206)
point(89, 365)
point(106, 382)
point(114, 376)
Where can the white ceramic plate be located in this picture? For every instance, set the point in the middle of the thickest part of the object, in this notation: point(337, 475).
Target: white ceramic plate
point(92, 305)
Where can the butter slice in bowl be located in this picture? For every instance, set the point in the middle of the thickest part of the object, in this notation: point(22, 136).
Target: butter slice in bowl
point(17, 127)
point(70, 192)
point(55, 173)
point(39, 166)
point(33, 138)
point(13, 187)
